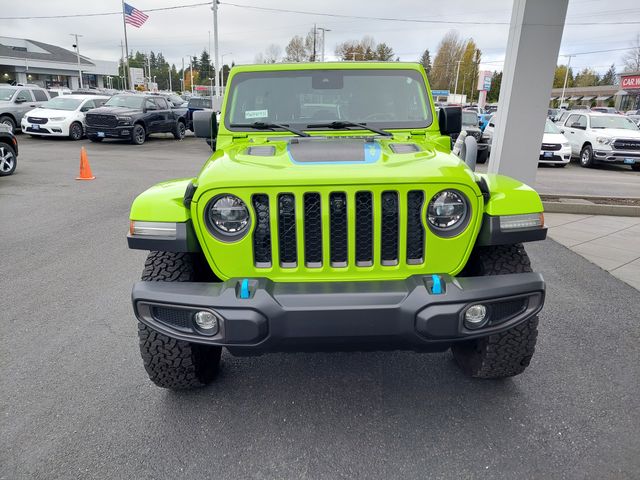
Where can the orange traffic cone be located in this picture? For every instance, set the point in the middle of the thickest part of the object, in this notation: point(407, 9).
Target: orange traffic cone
point(85, 169)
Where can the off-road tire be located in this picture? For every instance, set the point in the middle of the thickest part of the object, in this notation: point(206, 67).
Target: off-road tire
point(483, 155)
point(171, 363)
point(503, 354)
point(75, 131)
point(9, 122)
point(586, 157)
point(179, 130)
point(138, 134)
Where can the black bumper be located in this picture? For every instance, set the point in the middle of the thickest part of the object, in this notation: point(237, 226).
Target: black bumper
point(123, 132)
point(379, 315)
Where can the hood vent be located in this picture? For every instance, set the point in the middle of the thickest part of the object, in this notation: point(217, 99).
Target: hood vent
point(262, 151)
point(404, 147)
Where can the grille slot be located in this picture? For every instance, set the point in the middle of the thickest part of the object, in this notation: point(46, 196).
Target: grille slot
point(502, 311)
point(415, 230)
point(338, 229)
point(551, 147)
point(287, 231)
point(262, 232)
point(312, 230)
point(37, 120)
point(389, 227)
point(364, 229)
point(624, 144)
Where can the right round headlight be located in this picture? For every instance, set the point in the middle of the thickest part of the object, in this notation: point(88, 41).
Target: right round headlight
point(227, 217)
point(448, 213)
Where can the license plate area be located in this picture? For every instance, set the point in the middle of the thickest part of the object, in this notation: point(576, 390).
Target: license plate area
point(548, 154)
point(630, 161)
point(101, 134)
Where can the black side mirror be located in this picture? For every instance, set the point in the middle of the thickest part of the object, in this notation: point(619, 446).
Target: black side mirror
point(450, 120)
point(20, 100)
point(205, 125)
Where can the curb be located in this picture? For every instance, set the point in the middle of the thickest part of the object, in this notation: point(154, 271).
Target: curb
point(592, 209)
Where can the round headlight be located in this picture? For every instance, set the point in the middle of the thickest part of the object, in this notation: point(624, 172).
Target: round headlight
point(228, 217)
point(448, 213)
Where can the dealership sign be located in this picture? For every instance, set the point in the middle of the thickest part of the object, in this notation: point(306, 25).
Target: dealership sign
point(137, 76)
point(484, 80)
point(631, 81)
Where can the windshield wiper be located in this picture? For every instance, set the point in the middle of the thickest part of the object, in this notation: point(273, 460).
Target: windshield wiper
point(268, 125)
point(346, 123)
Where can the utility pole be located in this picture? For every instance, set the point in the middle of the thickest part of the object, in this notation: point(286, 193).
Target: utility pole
point(126, 45)
point(214, 7)
point(149, 63)
point(170, 86)
point(566, 76)
point(191, 71)
point(77, 47)
point(315, 34)
point(324, 30)
point(122, 86)
point(455, 90)
point(182, 86)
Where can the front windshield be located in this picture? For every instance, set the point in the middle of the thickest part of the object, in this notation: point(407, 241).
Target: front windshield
point(62, 103)
point(299, 98)
point(128, 101)
point(469, 118)
point(6, 93)
point(550, 127)
point(612, 121)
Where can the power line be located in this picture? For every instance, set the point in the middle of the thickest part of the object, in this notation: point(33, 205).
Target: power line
point(320, 14)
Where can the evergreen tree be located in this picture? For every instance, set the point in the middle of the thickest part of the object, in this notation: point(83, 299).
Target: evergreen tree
point(609, 78)
point(425, 60)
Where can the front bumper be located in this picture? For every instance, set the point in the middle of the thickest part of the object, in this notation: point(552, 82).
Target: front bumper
point(624, 157)
point(258, 315)
point(123, 132)
point(562, 156)
point(50, 129)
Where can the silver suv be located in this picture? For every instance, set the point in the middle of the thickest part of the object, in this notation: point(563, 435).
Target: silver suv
point(16, 101)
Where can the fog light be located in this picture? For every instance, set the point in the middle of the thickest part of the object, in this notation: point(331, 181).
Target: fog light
point(475, 316)
point(207, 322)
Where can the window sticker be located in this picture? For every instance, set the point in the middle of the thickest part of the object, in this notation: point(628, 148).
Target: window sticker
point(256, 114)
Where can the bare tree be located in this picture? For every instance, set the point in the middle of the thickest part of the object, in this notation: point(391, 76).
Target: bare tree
point(631, 59)
point(272, 53)
point(445, 62)
point(296, 51)
point(365, 49)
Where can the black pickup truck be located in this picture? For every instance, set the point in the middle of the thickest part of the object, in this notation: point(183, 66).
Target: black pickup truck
point(135, 117)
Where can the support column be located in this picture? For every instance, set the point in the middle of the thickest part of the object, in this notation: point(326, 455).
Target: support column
point(532, 51)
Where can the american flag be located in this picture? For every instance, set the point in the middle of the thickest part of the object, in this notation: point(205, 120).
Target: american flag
point(133, 16)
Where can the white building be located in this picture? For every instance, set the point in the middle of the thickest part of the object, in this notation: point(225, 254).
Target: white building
point(28, 61)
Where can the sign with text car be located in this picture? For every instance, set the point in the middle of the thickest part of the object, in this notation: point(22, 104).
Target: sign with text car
point(630, 81)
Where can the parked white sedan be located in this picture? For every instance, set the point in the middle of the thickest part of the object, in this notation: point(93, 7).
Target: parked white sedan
point(61, 116)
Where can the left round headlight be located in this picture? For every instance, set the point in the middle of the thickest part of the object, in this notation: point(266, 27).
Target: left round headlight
point(227, 217)
point(448, 213)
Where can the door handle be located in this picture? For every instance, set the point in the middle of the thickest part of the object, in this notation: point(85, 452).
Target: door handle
point(561, 131)
point(32, 105)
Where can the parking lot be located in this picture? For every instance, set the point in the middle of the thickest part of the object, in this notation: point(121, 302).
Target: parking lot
point(75, 401)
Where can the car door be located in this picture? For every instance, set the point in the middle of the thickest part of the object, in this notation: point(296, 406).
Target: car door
point(570, 132)
point(152, 118)
point(165, 114)
point(40, 96)
point(580, 133)
point(23, 103)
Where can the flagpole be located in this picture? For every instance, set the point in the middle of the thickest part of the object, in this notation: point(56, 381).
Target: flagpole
point(126, 45)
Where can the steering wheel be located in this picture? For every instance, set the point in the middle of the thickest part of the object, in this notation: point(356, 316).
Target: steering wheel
point(381, 116)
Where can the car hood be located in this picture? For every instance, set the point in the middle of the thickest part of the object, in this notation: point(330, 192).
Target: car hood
point(331, 161)
point(49, 113)
point(617, 132)
point(554, 138)
point(114, 111)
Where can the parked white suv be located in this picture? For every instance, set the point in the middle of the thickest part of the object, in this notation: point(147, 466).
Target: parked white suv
point(63, 116)
point(599, 137)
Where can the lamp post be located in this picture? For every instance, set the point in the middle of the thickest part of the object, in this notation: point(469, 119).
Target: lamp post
point(324, 30)
point(221, 73)
point(566, 76)
point(77, 47)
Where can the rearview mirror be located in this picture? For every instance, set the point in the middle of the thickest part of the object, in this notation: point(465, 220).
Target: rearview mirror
point(450, 120)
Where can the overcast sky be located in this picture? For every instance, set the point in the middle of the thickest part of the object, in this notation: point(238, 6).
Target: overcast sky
point(245, 32)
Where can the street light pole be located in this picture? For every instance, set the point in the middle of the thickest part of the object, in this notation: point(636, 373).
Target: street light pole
point(566, 76)
point(78, 55)
point(222, 70)
point(455, 90)
point(324, 30)
point(216, 64)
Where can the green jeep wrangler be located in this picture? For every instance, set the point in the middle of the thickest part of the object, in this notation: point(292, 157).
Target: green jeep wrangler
point(333, 215)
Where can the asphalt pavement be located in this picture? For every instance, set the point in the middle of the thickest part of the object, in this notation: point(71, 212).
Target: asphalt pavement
point(75, 401)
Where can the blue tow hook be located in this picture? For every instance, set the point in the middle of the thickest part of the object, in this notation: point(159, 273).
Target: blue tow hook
point(436, 289)
point(244, 289)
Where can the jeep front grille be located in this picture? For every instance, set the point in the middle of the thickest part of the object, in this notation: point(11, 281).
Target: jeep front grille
point(326, 221)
